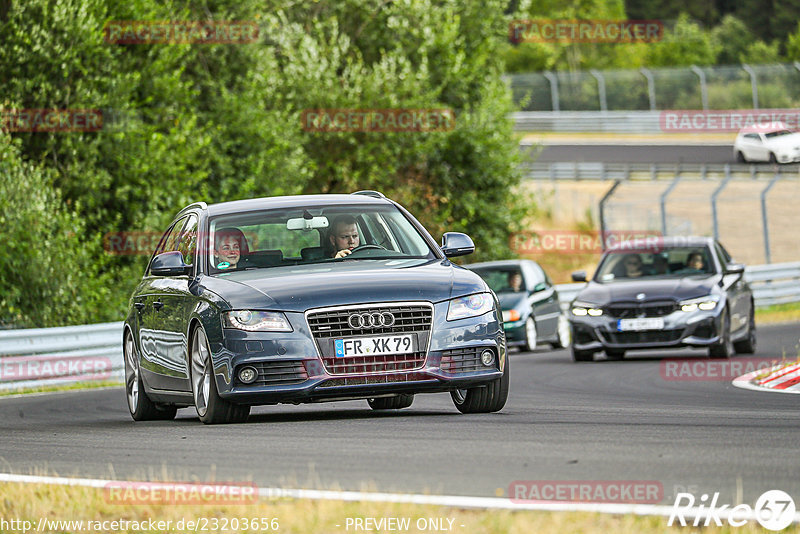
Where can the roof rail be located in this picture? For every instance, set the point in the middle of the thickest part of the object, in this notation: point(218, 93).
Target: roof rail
point(370, 193)
point(201, 205)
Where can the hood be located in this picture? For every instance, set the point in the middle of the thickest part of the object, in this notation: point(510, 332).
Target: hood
point(653, 288)
point(298, 288)
point(785, 141)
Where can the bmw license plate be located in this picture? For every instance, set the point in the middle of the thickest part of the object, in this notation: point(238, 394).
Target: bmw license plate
point(639, 324)
point(374, 346)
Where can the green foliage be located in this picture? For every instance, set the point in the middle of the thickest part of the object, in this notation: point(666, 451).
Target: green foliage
point(686, 44)
point(48, 274)
point(220, 122)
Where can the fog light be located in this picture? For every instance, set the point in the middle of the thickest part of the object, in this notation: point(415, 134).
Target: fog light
point(248, 375)
point(487, 357)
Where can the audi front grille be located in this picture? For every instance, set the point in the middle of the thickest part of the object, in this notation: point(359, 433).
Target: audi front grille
point(328, 324)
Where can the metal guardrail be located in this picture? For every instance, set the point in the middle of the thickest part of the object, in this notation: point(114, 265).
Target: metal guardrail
point(51, 356)
point(778, 283)
point(54, 356)
point(641, 122)
point(577, 170)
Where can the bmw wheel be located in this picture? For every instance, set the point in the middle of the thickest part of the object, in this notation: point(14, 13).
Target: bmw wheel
point(748, 344)
point(211, 408)
point(724, 347)
point(564, 333)
point(139, 404)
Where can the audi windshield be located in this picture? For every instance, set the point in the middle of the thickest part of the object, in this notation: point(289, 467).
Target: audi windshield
point(310, 235)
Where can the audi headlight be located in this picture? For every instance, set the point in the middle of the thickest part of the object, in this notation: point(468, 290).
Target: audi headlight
point(256, 321)
point(703, 303)
point(470, 306)
point(581, 309)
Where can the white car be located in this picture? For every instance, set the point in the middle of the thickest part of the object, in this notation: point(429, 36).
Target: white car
point(775, 144)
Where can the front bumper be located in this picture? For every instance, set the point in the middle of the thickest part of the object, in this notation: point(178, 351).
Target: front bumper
point(681, 329)
point(294, 371)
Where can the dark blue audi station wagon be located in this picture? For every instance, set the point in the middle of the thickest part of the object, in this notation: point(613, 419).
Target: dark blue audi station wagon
point(309, 299)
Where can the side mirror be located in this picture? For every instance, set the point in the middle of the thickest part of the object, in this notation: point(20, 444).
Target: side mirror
point(457, 244)
point(169, 264)
point(541, 286)
point(579, 276)
point(734, 268)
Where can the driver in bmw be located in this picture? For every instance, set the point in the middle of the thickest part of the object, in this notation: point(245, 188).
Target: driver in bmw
point(343, 236)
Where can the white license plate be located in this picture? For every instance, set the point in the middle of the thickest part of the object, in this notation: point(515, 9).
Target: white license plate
point(373, 346)
point(645, 323)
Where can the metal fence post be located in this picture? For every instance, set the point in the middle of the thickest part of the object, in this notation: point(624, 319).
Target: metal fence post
point(764, 217)
point(753, 83)
point(601, 88)
point(603, 212)
point(553, 79)
point(703, 88)
point(663, 201)
point(651, 87)
point(714, 196)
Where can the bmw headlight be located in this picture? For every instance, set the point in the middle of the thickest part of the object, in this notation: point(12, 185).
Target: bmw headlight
point(256, 321)
point(582, 309)
point(470, 306)
point(707, 303)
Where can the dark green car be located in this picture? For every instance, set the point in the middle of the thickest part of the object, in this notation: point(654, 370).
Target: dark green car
point(529, 302)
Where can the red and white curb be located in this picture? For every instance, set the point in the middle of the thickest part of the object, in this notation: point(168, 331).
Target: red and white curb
point(780, 379)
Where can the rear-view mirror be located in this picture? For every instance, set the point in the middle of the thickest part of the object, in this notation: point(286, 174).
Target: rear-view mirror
point(301, 223)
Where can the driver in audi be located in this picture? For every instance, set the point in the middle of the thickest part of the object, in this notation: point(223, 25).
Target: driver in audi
point(343, 235)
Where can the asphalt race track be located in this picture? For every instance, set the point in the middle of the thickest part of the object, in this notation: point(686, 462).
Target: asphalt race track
point(564, 421)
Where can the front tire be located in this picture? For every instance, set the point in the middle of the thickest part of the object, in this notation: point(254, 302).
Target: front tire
point(485, 399)
point(139, 404)
point(211, 408)
point(724, 348)
point(530, 335)
point(582, 355)
point(397, 402)
point(748, 344)
point(564, 334)
point(740, 157)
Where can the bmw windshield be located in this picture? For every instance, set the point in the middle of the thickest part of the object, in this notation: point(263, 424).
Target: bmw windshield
point(308, 235)
point(626, 265)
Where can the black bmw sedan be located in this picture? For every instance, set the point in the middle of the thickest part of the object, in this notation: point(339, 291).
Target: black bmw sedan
point(308, 299)
point(664, 293)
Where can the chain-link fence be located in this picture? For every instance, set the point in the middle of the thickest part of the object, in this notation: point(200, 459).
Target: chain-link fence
point(723, 87)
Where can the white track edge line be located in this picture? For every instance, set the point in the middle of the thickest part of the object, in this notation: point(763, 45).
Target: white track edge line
point(454, 501)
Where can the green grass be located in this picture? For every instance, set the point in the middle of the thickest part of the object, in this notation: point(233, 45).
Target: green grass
point(66, 387)
point(780, 313)
point(31, 502)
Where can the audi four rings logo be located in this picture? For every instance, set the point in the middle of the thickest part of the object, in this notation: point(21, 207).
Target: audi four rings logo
point(370, 320)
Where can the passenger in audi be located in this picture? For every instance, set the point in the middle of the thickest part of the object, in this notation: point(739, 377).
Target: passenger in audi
point(343, 236)
point(229, 243)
